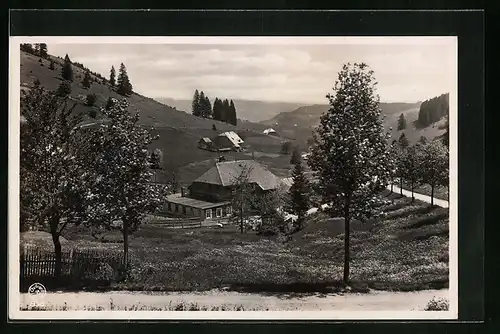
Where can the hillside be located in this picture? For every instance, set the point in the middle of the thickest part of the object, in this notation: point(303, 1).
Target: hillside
point(179, 131)
point(247, 110)
point(300, 123)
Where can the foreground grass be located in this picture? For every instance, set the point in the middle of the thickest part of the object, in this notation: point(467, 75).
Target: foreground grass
point(405, 250)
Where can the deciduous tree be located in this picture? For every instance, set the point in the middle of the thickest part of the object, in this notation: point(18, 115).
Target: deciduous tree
point(435, 165)
point(123, 185)
point(53, 178)
point(350, 153)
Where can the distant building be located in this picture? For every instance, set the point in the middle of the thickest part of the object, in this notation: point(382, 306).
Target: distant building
point(209, 196)
point(226, 141)
point(270, 132)
point(207, 144)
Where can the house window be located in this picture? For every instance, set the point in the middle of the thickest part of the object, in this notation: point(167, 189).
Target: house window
point(177, 208)
point(208, 213)
point(184, 210)
point(229, 211)
point(218, 212)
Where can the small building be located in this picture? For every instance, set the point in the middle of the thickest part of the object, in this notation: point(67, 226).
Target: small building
point(207, 144)
point(270, 132)
point(210, 195)
point(227, 141)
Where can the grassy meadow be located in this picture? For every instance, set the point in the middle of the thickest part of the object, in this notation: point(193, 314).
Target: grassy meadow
point(405, 250)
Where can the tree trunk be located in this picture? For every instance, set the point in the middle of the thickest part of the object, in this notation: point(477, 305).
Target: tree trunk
point(58, 253)
point(432, 194)
point(125, 242)
point(347, 232)
point(401, 186)
point(241, 221)
point(412, 196)
point(392, 186)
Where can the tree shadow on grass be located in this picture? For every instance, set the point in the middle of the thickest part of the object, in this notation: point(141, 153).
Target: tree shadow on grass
point(297, 290)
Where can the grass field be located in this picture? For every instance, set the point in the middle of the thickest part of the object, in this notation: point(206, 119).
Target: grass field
point(406, 250)
point(425, 189)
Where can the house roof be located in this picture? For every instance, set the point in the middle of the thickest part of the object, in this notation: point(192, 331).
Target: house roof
point(267, 131)
point(227, 172)
point(206, 140)
point(194, 203)
point(233, 137)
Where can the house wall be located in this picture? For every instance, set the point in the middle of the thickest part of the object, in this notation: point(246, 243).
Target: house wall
point(223, 211)
point(209, 192)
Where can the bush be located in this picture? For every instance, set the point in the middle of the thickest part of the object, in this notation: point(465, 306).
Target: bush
point(64, 89)
point(51, 66)
point(91, 98)
point(93, 114)
point(286, 148)
point(437, 304)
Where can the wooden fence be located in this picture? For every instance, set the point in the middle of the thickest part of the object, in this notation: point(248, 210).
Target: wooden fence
point(38, 264)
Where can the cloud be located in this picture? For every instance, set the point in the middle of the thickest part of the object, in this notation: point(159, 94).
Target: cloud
point(299, 73)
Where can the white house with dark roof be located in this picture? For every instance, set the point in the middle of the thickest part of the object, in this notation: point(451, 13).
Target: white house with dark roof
point(209, 196)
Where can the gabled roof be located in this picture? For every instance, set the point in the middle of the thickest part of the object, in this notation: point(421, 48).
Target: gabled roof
point(268, 131)
point(226, 173)
point(233, 137)
point(206, 139)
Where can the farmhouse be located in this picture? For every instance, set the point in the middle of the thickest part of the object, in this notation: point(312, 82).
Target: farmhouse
point(270, 132)
point(226, 141)
point(206, 143)
point(209, 196)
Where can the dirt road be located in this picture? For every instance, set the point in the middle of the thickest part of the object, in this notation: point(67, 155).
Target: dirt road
point(373, 301)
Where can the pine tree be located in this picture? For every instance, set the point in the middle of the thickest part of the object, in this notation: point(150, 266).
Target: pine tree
point(67, 69)
point(295, 156)
point(401, 122)
point(207, 108)
point(64, 89)
point(217, 112)
point(350, 153)
point(226, 111)
point(201, 105)
point(86, 80)
point(112, 76)
point(51, 66)
point(403, 141)
point(232, 112)
point(124, 85)
point(195, 105)
point(43, 50)
point(299, 193)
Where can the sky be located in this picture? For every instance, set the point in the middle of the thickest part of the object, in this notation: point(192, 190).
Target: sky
point(266, 72)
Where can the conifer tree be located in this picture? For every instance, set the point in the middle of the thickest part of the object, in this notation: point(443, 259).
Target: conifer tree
point(401, 122)
point(123, 82)
point(299, 192)
point(232, 112)
point(112, 76)
point(207, 108)
point(43, 50)
point(201, 105)
point(51, 66)
point(217, 112)
point(195, 105)
point(403, 141)
point(86, 80)
point(350, 152)
point(67, 69)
